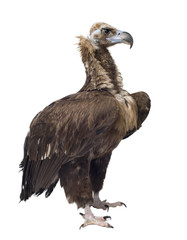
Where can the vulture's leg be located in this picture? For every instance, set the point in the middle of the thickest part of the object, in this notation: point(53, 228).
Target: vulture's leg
point(98, 169)
point(74, 178)
point(90, 219)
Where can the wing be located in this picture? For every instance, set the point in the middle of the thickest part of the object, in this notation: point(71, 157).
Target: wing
point(82, 124)
point(143, 104)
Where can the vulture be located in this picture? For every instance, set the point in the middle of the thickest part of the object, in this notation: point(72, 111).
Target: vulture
point(72, 139)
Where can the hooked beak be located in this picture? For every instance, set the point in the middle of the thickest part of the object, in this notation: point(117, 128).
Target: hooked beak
point(121, 37)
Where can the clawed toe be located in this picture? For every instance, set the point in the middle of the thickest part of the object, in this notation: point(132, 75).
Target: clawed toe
point(99, 221)
point(104, 218)
point(123, 204)
point(90, 219)
point(106, 205)
point(116, 204)
point(97, 203)
point(85, 224)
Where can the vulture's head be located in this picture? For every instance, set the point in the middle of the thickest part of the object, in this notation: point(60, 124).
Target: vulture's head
point(104, 35)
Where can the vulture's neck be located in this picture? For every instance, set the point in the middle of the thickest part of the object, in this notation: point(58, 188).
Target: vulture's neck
point(101, 71)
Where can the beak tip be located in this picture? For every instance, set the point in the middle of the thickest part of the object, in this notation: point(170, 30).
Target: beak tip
point(131, 42)
point(127, 38)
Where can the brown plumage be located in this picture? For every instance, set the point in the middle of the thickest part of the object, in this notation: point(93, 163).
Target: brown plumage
point(72, 139)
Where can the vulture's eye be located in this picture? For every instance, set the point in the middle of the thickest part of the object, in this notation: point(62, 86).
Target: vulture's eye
point(106, 30)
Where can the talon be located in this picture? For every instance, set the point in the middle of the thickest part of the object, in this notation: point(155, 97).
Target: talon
point(123, 204)
point(83, 215)
point(107, 218)
point(110, 226)
point(81, 226)
point(107, 207)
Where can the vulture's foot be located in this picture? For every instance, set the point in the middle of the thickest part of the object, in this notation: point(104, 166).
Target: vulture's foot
point(90, 219)
point(97, 203)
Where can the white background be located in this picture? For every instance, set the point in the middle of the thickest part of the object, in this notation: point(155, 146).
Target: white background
point(39, 63)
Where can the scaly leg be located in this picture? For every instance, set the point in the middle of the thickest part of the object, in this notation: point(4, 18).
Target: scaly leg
point(90, 219)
